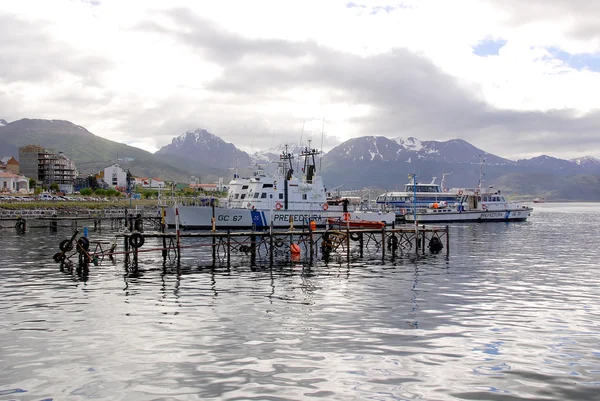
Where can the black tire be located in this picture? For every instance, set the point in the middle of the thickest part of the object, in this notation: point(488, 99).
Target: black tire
point(244, 248)
point(278, 243)
point(66, 245)
point(20, 225)
point(83, 243)
point(136, 240)
point(58, 257)
point(392, 242)
point(435, 245)
point(354, 236)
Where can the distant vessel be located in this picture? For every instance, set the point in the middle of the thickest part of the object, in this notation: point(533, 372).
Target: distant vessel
point(473, 205)
point(539, 200)
point(278, 200)
point(424, 194)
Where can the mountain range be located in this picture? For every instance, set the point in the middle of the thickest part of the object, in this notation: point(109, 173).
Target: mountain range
point(374, 162)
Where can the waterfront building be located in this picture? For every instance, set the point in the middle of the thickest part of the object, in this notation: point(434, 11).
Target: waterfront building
point(11, 182)
point(10, 164)
point(47, 167)
point(115, 176)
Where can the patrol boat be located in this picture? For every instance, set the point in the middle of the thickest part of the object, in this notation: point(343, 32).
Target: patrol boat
point(280, 200)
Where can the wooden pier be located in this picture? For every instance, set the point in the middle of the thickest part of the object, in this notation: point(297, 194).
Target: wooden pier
point(130, 222)
point(269, 247)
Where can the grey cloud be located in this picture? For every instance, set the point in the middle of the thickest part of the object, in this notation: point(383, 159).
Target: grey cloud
point(215, 42)
point(30, 54)
point(408, 94)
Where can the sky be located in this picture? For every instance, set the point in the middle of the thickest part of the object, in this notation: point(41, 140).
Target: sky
point(516, 79)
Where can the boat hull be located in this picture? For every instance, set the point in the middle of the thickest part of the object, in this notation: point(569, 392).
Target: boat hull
point(194, 217)
point(471, 216)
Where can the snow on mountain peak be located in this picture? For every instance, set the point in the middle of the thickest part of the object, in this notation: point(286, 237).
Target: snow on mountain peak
point(410, 143)
point(3, 122)
point(198, 136)
point(585, 160)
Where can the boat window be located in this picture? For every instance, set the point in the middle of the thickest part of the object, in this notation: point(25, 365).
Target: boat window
point(502, 199)
point(263, 195)
point(256, 195)
point(237, 196)
point(267, 185)
point(304, 197)
point(280, 196)
point(479, 198)
point(243, 196)
point(244, 186)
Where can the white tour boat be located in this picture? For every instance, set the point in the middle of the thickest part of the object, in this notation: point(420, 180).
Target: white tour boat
point(402, 202)
point(472, 205)
point(280, 200)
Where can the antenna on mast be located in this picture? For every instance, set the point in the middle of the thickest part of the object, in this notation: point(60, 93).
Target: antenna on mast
point(321, 156)
point(444, 179)
point(300, 143)
point(481, 174)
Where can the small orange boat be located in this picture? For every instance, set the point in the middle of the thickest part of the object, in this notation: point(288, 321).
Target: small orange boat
point(356, 223)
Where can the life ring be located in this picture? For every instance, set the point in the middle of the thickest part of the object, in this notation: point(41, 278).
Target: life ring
point(65, 245)
point(20, 225)
point(278, 206)
point(484, 207)
point(136, 240)
point(346, 216)
point(278, 243)
point(325, 206)
point(354, 236)
point(460, 192)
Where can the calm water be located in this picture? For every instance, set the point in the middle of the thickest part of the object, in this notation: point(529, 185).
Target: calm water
point(514, 314)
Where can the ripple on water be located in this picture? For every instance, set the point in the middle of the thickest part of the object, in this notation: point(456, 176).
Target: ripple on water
point(513, 314)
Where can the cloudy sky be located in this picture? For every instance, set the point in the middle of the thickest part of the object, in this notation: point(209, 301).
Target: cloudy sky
point(517, 79)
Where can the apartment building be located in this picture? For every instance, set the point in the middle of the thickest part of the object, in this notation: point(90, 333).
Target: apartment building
point(47, 167)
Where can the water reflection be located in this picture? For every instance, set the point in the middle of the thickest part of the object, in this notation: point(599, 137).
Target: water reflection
point(514, 305)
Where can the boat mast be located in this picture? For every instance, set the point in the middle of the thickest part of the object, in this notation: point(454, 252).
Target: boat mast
point(309, 162)
point(286, 157)
point(481, 174)
point(444, 180)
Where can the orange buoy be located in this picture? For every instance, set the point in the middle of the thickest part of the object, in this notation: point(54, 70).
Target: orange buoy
point(313, 225)
point(294, 249)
